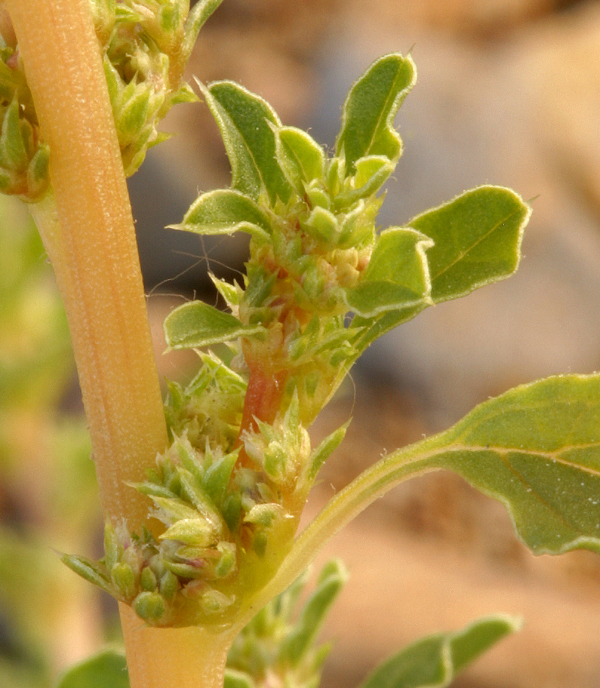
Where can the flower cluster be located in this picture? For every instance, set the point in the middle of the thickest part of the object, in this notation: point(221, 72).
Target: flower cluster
point(220, 520)
point(23, 155)
point(145, 46)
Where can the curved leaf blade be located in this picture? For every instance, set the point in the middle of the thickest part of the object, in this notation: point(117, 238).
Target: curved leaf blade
point(196, 324)
point(105, 670)
point(535, 448)
point(246, 122)
point(225, 211)
point(370, 108)
point(435, 661)
point(397, 276)
point(300, 156)
point(477, 240)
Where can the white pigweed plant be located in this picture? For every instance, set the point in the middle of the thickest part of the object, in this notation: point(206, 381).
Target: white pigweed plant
point(322, 282)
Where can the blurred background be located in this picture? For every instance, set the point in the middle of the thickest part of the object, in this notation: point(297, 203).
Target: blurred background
point(508, 93)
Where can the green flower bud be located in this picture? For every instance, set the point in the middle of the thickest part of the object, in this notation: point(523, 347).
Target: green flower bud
point(148, 580)
point(123, 577)
point(150, 606)
point(169, 585)
point(214, 602)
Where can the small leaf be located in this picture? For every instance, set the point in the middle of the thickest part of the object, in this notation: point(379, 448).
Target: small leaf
point(397, 275)
point(89, 570)
point(225, 211)
point(300, 156)
point(216, 477)
point(321, 224)
point(13, 151)
point(198, 16)
point(196, 324)
point(325, 449)
point(303, 636)
point(477, 239)
point(371, 174)
point(246, 123)
point(105, 670)
point(230, 293)
point(433, 662)
point(370, 108)
point(133, 114)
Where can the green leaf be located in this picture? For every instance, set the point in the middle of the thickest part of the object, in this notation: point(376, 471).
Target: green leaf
point(325, 449)
point(397, 276)
point(247, 126)
point(105, 670)
point(370, 108)
point(302, 638)
point(87, 569)
point(433, 662)
point(300, 156)
point(196, 324)
point(535, 448)
point(197, 17)
point(13, 151)
point(371, 174)
point(225, 211)
point(477, 239)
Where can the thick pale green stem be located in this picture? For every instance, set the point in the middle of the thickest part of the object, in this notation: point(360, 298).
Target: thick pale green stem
point(89, 234)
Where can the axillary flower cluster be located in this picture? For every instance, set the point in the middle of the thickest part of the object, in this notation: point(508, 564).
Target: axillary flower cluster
point(145, 46)
point(320, 285)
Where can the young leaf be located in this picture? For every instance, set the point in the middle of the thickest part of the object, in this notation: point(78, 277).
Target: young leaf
point(196, 324)
point(302, 638)
point(433, 662)
point(225, 211)
point(397, 276)
point(370, 108)
point(300, 156)
point(197, 17)
point(477, 240)
point(246, 123)
point(105, 670)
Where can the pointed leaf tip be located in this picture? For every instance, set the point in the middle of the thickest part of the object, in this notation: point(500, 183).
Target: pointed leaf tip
point(370, 108)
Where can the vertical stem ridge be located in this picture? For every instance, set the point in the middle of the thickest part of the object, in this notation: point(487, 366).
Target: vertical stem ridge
point(88, 231)
point(90, 238)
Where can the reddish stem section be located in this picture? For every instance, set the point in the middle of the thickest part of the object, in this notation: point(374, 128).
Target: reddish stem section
point(262, 402)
